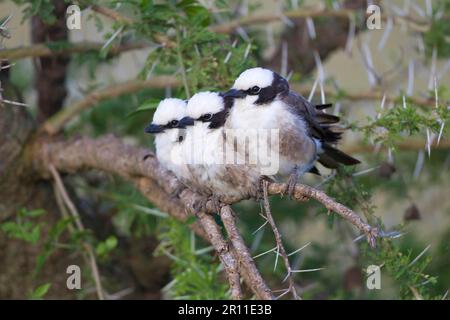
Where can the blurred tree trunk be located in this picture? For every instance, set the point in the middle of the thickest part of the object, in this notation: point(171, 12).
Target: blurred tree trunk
point(19, 190)
point(331, 35)
point(51, 71)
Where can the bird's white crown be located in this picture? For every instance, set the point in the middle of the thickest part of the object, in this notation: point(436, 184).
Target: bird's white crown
point(169, 109)
point(254, 77)
point(204, 102)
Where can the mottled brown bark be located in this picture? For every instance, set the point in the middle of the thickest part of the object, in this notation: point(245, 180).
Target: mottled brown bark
point(19, 190)
point(331, 34)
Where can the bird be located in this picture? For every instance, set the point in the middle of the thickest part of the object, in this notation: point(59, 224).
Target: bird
point(169, 136)
point(263, 100)
point(210, 153)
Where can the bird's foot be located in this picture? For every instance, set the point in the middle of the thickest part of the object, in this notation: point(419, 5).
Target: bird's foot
point(202, 204)
point(199, 205)
point(148, 155)
point(177, 192)
point(291, 184)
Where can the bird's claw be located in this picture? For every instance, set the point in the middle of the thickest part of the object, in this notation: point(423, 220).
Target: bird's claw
point(290, 187)
point(202, 204)
point(177, 192)
point(199, 205)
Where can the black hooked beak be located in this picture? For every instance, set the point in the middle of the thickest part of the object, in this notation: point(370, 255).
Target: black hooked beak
point(234, 93)
point(186, 121)
point(154, 128)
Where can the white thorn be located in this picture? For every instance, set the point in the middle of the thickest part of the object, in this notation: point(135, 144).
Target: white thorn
point(390, 156)
point(369, 67)
point(300, 249)
point(264, 253)
point(322, 92)
point(351, 35)
point(284, 58)
point(441, 130)
point(418, 9)
point(445, 295)
point(436, 96)
point(337, 108)
point(111, 39)
point(289, 76)
point(419, 164)
point(319, 65)
point(310, 27)
point(307, 270)
point(262, 226)
point(419, 256)
point(428, 7)
point(276, 258)
point(360, 173)
point(410, 88)
point(313, 89)
point(247, 50)
point(432, 69)
point(386, 33)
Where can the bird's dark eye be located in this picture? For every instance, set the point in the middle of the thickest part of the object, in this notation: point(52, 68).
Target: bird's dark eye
point(174, 123)
point(254, 90)
point(207, 117)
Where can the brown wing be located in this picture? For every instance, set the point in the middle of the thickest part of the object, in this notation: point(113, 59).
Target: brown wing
point(321, 126)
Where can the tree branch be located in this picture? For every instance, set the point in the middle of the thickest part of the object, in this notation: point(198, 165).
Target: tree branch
point(366, 96)
point(57, 122)
point(111, 155)
point(228, 260)
point(228, 27)
point(407, 145)
point(245, 258)
point(55, 48)
point(142, 168)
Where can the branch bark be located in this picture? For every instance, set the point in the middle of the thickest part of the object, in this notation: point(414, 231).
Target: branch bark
point(57, 122)
point(138, 166)
point(55, 49)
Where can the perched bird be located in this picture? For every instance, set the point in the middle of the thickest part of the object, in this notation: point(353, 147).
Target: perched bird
point(214, 172)
point(169, 135)
point(264, 100)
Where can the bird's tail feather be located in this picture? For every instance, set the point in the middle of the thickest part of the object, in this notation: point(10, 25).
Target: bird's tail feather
point(332, 157)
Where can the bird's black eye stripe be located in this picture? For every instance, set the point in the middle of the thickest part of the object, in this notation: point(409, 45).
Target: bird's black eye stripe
point(253, 90)
point(206, 117)
point(172, 124)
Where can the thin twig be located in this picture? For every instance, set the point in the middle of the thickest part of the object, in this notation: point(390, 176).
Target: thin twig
point(246, 262)
point(73, 210)
point(279, 242)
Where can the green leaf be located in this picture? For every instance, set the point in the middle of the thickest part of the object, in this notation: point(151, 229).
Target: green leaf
point(105, 247)
point(33, 213)
point(40, 291)
point(147, 106)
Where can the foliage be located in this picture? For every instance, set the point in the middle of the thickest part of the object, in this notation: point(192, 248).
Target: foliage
point(196, 273)
point(204, 60)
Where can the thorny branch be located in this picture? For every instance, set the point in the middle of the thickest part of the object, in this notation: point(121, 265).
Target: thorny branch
point(157, 184)
point(280, 247)
point(61, 190)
